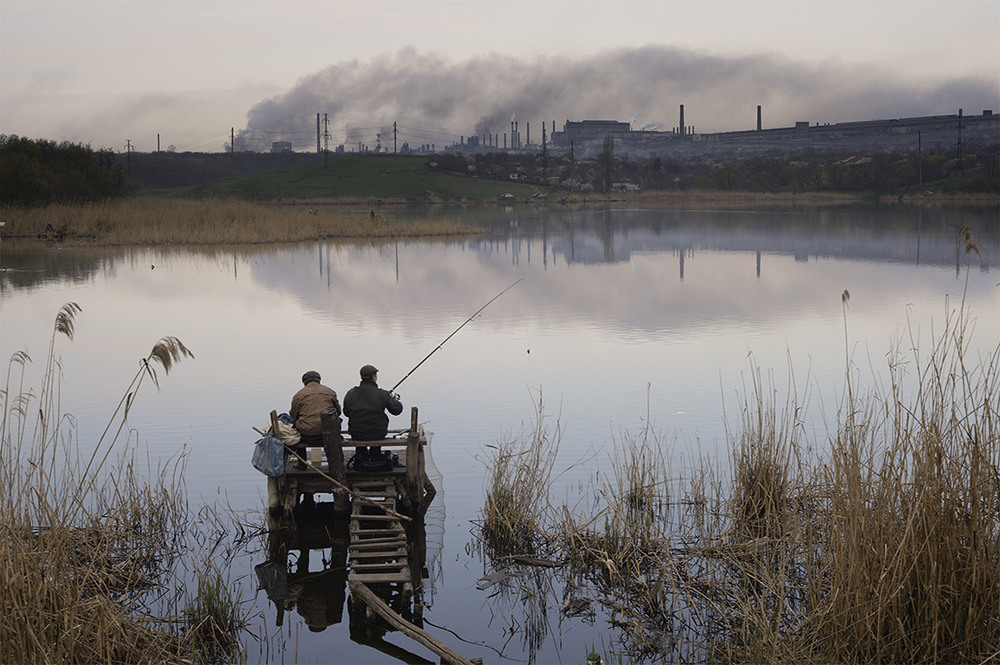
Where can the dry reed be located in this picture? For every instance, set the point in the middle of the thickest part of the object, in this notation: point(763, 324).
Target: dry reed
point(85, 544)
point(885, 548)
point(519, 476)
point(151, 221)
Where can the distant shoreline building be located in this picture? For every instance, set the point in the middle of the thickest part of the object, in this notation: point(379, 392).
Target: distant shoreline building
point(586, 137)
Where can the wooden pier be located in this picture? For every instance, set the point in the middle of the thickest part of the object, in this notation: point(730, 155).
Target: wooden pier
point(414, 489)
point(384, 510)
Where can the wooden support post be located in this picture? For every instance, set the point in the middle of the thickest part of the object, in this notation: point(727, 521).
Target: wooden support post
point(333, 445)
point(275, 500)
point(281, 494)
point(414, 480)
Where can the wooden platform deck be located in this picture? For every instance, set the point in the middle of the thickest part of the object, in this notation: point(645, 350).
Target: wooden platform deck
point(326, 469)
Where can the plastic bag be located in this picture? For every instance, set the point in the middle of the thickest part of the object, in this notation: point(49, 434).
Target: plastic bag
point(288, 434)
point(269, 456)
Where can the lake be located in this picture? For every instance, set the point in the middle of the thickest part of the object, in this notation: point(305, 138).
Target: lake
point(623, 319)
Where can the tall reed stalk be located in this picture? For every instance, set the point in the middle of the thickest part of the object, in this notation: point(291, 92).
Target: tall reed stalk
point(519, 473)
point(879, 544)
point(83, 542)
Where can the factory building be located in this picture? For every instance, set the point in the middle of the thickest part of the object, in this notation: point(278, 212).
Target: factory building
point(588, 135)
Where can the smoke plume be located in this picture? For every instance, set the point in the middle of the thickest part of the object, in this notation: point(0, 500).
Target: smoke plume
point(436, 101)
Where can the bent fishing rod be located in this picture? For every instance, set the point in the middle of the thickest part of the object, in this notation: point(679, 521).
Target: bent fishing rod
point(443, 342)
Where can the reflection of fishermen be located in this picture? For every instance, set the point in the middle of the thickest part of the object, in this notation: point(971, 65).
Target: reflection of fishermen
point(307, 404)
point(365, 405)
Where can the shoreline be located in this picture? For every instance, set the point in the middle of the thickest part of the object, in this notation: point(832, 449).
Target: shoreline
point(156, 221)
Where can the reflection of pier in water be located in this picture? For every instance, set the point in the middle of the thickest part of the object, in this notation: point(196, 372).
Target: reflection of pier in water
point(308, 571)
point(367, 547)
point(602, 236)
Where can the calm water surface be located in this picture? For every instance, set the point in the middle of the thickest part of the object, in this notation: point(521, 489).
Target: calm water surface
point(624, 318)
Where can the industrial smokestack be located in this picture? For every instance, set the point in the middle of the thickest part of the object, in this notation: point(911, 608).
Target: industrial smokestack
point(682, 120)
point(527, 133)
point(758, 117)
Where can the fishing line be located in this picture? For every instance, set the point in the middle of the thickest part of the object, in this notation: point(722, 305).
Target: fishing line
point(393, 389)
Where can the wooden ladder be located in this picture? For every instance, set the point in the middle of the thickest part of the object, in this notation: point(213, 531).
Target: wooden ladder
point(378, 547)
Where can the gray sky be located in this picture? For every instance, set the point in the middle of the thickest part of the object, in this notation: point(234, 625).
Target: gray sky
point(105, 73)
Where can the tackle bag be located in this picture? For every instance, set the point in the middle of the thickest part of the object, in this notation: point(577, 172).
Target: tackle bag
point(269, 456)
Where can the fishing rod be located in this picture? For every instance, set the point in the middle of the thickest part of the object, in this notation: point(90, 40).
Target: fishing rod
point(393, 389)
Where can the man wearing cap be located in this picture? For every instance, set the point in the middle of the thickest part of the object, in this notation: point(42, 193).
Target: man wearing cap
point(365, 405)
point(307, 404)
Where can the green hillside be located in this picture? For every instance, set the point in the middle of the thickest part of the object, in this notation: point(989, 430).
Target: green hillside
point(358, 177)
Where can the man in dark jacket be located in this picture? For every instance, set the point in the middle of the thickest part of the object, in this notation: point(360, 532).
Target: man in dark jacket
point(365, 405)
point(307, 404)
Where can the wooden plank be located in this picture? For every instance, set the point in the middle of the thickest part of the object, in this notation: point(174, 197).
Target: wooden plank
point(385, 577)
point(375, 483)
point(386, 493)
point(380, 578)
point(370, 514)
point(274, 423)
point(374, 522)
point(380, 567)
point(375, 532)
point(379, 502)
point(376, 543)
point(361, 548)
point(394, 554)
point(379, 607)
point(375, 518)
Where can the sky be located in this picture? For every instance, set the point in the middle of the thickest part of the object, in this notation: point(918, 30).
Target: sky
point(191, 75)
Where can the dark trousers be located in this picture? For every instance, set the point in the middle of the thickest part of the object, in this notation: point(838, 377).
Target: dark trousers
point(307, 440)
point(367, 452)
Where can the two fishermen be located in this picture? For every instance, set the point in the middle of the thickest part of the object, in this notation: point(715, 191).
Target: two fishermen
point(365, 406)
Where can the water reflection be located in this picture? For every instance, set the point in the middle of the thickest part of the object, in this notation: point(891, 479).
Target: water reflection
point(306, 571)
point(915, 236)
point(306, 568)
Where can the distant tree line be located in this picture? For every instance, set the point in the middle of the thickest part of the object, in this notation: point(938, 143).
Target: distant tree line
point(170, 169)
point(37, 172)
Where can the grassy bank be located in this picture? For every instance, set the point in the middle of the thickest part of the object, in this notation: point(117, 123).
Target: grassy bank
point(879, 543)
point(88, 544)
point(153, 221)
point(359, 178)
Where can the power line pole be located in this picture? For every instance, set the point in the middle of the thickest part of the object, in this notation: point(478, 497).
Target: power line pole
point(961, 166)
point(545, 154)
point(393, 138)
point(920, 158)
point(232, 142)
point(326, 141)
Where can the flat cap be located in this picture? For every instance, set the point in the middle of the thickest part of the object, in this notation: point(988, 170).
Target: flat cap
point(368, 371)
